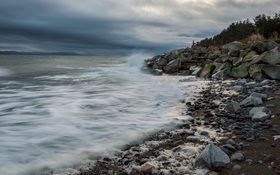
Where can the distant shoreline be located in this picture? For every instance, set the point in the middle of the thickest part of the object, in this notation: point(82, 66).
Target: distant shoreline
point(37, 53)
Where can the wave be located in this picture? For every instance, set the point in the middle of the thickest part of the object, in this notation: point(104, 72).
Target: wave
point(137, 59)
point(5, 72)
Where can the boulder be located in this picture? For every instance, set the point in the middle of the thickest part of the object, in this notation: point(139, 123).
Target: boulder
point(240, 71)
point(157, 71)
point(259, 47)
point(161, 61)
point(150, 62)
point(271, 57)
point(214, 55)
point(259, 95)
point(236, 61)
point(196, 70)
point(234, 53)
point(233, 107)
point(222, 59)
point(222, 71)
point(259, 113)
point(185, 59)
point(262, 46)
point(207, 70)
point(233, 47)
point(271, 45)
point(199, 50)
point(212, 157)
point(173, 66)
point(250, 56)
point(251, 101)
point(272, 72)
point(174, 54)
point(255, 71)
point(155, 66)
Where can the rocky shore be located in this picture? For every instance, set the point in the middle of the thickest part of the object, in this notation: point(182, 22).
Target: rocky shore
point(233, 128)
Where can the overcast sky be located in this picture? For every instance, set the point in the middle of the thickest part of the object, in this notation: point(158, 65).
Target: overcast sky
point(117, 26)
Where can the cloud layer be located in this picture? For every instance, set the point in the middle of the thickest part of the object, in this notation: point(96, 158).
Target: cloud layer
point(110, 26)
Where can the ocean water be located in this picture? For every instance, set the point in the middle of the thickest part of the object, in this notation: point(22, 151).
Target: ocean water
point(58, 112)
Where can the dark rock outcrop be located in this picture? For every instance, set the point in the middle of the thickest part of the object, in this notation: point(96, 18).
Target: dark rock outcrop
point(259, 60)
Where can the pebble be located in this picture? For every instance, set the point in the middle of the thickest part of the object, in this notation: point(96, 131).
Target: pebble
point(212, 173)
point(204, 133)
point(268, 158)
point(249, 161)
point(250, 139)
point(237, 157)
point(147, 168)
point(194, 139)
point(236, 168)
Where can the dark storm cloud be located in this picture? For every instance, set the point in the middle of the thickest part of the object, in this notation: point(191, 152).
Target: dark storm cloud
point(92, 26)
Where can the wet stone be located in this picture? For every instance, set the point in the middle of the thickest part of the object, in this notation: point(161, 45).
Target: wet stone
point(237, 157)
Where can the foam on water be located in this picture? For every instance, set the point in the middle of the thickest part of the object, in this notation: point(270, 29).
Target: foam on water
point(4, 72)
point(58, 112)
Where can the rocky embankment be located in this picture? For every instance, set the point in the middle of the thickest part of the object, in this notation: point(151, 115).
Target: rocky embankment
point(257, 60)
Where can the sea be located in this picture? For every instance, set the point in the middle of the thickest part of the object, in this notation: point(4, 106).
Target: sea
point(61, 112)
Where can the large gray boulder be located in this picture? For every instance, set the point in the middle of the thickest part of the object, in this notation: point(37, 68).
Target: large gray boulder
point(212, 157)
point(252, 101)
point(185, 59)
point(174, 54)
point(271, 45)
point(199, 50)
point(272, 72)
point(259, 95)
point(214, 55)
point(236, 61)
point(196, 70)
point(173, 66)
point(162, 61)
point(222, 71)
point(259, 113)
point(271, 57)
point(233, 47)
point(207, 70)
point(262, 46)
point(259, 47)
point(234, 53)
point(250, 56)
point(240, 71)
point(255, 71)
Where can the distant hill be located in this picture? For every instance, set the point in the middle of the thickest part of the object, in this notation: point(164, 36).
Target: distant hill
point(261, 28)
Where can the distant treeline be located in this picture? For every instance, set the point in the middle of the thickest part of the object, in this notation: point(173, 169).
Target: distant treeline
point(262, 27)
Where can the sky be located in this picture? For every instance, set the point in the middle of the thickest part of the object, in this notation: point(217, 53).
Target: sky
point(118, 26)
